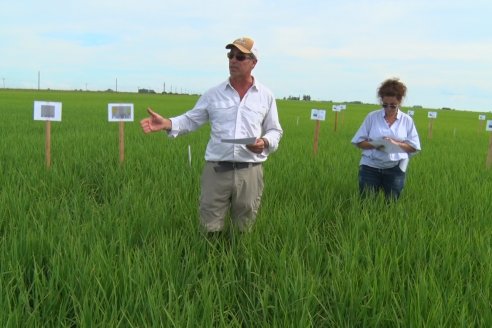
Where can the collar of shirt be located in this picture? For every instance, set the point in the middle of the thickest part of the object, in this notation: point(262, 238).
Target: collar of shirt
point(228, 85)
point(398, 113)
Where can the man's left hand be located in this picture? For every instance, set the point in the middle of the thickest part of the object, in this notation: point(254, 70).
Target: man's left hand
point(258, 146)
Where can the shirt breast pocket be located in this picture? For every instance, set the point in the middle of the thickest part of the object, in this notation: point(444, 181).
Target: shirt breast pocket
point(222, 111)
point(256, 114)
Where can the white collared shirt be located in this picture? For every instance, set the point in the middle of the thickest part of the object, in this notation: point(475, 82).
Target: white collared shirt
point(232, 118)
point(375, 127)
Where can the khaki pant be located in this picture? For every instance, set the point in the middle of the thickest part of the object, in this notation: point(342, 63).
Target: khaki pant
point(236, 190)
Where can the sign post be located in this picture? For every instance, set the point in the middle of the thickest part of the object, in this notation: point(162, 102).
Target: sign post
point(122, 141)
point(47, 144)
point(47, 111)
point(317, 115)
point(488, 127)
point(343, 107)
point(336, 109)
point(432, 116)
point(189, 155)
point(121, 113)
point(481, 118)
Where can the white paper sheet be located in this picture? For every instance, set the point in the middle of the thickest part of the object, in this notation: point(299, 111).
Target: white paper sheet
point(403, 164)
point(388, 146)
point(242, 141)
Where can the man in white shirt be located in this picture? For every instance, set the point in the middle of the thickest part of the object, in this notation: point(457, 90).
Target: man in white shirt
point(238, 108)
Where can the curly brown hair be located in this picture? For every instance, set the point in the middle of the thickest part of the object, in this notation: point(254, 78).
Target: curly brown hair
point(392, 88)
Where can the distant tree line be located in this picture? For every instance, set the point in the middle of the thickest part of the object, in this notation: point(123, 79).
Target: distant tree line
point(304, 98)
point(146, 91)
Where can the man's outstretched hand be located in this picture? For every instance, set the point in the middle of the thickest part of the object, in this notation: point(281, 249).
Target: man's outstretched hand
point(155, 122)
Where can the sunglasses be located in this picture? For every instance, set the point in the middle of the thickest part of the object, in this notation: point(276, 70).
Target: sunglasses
point(392, 106)
point(239, 56)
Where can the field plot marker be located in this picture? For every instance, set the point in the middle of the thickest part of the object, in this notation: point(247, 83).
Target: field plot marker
point(47, 111)
point(432, 116)
point(317, 115)
point(481, 118)
point(336, 109)
point(47, 143)
point(122, 141)
point(189, 155)
point(343, 107)
point(121, 113)
point(488, 127)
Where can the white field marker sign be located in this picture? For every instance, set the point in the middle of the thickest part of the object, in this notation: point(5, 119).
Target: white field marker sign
point(47, 111)
point(317, 115)
point(432, 116)
point(488, 127)
point(411, 113)
point(121, 113)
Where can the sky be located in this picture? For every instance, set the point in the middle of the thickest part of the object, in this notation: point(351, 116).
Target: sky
point(330, 50)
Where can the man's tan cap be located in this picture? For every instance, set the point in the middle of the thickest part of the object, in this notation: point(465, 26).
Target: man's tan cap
point(245, 45)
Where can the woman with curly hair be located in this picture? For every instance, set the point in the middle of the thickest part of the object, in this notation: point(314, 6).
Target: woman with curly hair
point(387, 137)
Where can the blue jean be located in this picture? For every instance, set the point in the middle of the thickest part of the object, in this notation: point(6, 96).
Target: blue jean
point(391, 181)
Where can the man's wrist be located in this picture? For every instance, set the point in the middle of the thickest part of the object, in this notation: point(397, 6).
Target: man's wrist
point(265, 142)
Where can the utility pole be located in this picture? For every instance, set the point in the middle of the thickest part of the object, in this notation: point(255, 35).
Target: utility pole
point(39, 79)
point(116, 84)
point(3, 82)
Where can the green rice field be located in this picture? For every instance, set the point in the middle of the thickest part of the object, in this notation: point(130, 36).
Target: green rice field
point(92, 242)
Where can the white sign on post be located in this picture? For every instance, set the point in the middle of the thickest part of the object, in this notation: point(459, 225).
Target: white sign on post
point(337, 108)
point(481, 117)
point(488, 127)
point(120, 112)
point(47, 111)
point(318, 114)
point(411, 112)
point(432, 114)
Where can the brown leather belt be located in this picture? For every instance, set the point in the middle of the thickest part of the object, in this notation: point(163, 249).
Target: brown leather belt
point(229, 166)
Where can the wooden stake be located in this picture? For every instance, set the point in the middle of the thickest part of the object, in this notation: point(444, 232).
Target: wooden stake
point(430, 128)
point(336, 121)
point(316, 133)
point(122, 141)
point(189, 155)
point(489, 155)
point(48, 144)
point(481, 125)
